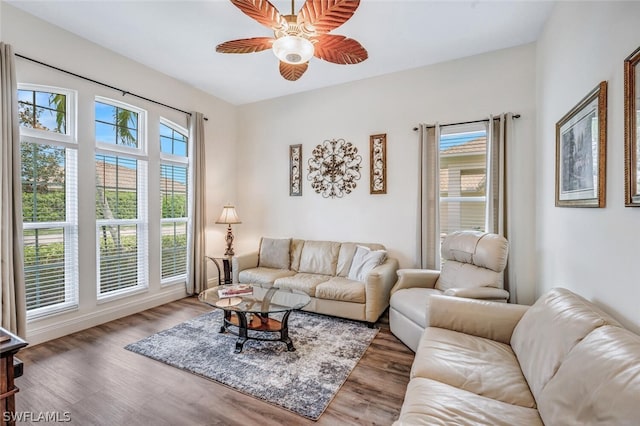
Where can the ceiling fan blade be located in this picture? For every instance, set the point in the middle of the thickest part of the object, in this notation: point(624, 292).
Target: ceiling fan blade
point(245, 45)
point(339, 49)
point(262, 11)
point(325, 15)
point(292, 72)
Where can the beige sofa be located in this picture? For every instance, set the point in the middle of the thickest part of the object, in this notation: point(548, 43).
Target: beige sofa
point(326, 270)
point(562, 361)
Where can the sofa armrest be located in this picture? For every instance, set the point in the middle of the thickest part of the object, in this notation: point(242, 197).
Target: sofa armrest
point(242, 262)
point(424, 278)
point(484, 293)
point(378, 286)
point(491, 320)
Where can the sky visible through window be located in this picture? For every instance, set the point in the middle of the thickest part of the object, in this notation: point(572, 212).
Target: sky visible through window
point(42, 110)
point(116, 125)
point(172, 142)
point(455, 139)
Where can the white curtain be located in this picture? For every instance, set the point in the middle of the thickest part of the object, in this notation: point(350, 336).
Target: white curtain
point(11, 247)
point(499, 134)
point(429, 198)
point(197, 270)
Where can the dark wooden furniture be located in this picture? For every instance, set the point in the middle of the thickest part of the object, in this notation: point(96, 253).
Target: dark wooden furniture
point(10, 344)
point(223, 264)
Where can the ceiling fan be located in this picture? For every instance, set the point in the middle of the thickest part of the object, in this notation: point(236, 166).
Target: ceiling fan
point(298, 37)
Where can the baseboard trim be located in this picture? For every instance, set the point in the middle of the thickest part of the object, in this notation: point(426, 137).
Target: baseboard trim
point(56, 329)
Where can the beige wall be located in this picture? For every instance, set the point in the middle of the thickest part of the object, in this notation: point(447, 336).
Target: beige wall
point(591, 251)
point(465, 89)
point(37, 39)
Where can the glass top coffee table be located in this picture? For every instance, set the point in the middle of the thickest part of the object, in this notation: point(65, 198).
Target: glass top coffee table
point(248, 308)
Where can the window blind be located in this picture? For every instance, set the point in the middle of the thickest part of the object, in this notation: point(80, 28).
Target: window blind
point(174, 197)
point(463, 179)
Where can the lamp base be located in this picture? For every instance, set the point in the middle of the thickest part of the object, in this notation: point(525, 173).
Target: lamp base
point(229, 239)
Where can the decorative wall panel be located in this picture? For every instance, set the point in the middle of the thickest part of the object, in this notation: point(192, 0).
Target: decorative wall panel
point(378, 161)
point(334, 168)
point(295, 170)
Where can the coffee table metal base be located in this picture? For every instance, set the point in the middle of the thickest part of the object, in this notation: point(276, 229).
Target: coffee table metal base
point(259, 322)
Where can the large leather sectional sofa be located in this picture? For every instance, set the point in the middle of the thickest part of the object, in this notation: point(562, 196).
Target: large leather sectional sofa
point(562, 361)
point(326, 271)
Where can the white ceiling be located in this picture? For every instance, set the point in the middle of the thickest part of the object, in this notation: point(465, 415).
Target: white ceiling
point(178, 38)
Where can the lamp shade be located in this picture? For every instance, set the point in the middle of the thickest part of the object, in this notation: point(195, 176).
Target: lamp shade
point(228, 215)
point(293, 49)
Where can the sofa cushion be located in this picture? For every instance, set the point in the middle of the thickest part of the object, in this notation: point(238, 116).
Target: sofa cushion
point(478, 248)
point(465, 275)
point(428, 402)
point(364, 260)
point(347, 250)
point(319, 257)
point(597, 383)
point(339, 288)
point(460, 246)
point(412, 302)
point(482, 366)
point(262, 275)
point(303, 282)
point(274, 253)
point(296, 251)
point(546, 333)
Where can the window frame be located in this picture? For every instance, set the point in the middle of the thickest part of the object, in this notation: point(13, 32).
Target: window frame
point(468, 128)
point(140, 155)
point(68, 142)
point(141, 149)
point(70, 136)
point(185, 161)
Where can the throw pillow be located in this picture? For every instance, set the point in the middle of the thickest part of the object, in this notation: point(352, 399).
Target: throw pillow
point(364, 260)
point(274, 253)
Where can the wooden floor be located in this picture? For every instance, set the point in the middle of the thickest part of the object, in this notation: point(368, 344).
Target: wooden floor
point(90, 376)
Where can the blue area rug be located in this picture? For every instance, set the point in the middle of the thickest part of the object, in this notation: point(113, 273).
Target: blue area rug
point(303, 381)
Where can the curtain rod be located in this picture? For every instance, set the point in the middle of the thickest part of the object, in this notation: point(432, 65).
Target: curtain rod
point(464, 122)
point(124, 92)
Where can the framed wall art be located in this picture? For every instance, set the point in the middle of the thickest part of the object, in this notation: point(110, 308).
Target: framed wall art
point(295, 170)
point(581, 140)
point(378, 163)
point(632, 130)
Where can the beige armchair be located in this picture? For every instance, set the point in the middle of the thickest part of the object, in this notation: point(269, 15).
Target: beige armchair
point(473, 265)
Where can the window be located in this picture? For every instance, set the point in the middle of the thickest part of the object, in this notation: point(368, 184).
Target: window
point(49, 198)
point(121, 199)
point(174, 198)
point(110, 205)
point(463, 178)
point(116, 125)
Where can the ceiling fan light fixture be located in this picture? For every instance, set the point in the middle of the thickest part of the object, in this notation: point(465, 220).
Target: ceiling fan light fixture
point(293, 49)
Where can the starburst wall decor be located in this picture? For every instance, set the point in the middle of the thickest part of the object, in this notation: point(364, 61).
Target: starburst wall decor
point(334, 168)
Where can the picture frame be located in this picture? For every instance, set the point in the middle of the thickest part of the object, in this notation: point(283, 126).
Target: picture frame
point(632, 129)
point(295, 170)
point(378, 163)
point(581, 140)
